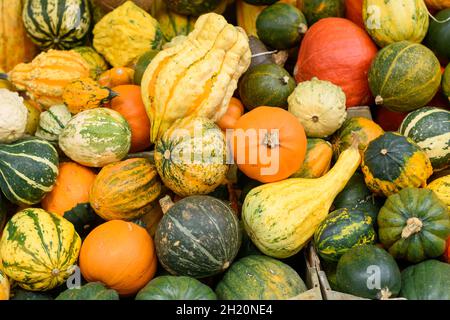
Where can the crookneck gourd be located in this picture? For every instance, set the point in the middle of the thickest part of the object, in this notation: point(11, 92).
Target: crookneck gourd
point(281, 217)
point(196, 76)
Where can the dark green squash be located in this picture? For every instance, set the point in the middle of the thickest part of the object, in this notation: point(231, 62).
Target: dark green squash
point(198, 236)
point(3, 214)
point(89, 291)
point(83, 218)
point(142, 64)
point(368, 271)
point(266, 85)
point(314, 10)
point(259, 277)
point(428, 280)
point(438, 36)
point(281, 26)
point(414, 225)
point(195, 8)
point(342, 230)
point(176, 288)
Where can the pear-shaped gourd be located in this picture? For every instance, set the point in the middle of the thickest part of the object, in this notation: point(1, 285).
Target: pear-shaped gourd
point(281, 217)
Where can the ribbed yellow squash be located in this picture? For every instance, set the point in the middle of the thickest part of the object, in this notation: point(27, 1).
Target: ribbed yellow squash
point(441, 187)
point(197, 76)
point(281, 217)
point(4, 286)
point(39, 249)
point(395, 20)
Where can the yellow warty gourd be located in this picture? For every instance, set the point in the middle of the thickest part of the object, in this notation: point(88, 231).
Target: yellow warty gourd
point(281, 217)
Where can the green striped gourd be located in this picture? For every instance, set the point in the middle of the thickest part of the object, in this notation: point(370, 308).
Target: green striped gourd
point(38, 249)
point(95, 61)
point(52, 122)
point(28, 170)
point(57, 24)
point(96, 137)
point(429, 127)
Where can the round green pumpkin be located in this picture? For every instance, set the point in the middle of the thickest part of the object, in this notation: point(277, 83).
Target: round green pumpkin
point(414, 225)
point(142, 65)
point(438, 36)
point(446, 82)
point(404, 76)
point(368, 271)
point(266, 85)
point(195, 8)
point(428, 280)
point(89, 291)
point(314, 10)
point(281, 26)
point(176, 288)
point(259, 277)
point(198, 236)
point(429, 127)
point(342, 230)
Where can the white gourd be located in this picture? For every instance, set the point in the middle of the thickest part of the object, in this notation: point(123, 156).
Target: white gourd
point(13, 116)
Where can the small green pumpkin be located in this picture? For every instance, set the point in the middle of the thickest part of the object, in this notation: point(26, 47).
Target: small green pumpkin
point(90, 291)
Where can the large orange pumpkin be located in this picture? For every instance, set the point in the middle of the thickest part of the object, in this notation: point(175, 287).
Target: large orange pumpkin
point(72, 188)
point(353, 11)
point(129, 104)
point(269, 144)
point(234, 112)
point(119, 254)
point(337, 50)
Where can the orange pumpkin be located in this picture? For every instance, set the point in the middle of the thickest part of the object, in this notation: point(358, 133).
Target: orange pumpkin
point(234, 112)
point(269, 144)
point(119, 254)
point(116, 76)
point(129, 104)
point(72, 187)
point(353, 11)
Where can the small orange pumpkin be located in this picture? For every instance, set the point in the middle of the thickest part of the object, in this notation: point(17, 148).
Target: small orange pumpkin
point(72, 187)
point(116, 76)
point(234, 112)
point(119, 254)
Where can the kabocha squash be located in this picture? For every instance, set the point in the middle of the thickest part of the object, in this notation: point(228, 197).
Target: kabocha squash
point(266, 85)
point(84, 94)
point(320, 106)
point(364, 129)
point(353, 11)
point(369, 272)
point(196, 8)
point(268, 149)
point(438, 35)
point(394, 21)
point(315, 10)
point(281, 217)
point(441, 188)
point(218, 55)
point(119, 36)
point(124, 190)
point(39, 249)
point(52, 122)
point(13, 116)
point(428, 280)
point(15, 46)
point(96, 62)
point(119, 254)
point(429, 127)
point(116, 76)
point(142, 64)
point(45, 78)
point(342, 230)
point(176, 288)
point(258, 277)
point(446, 82)
point(337, 50)
point(414, 225)
point(198, 236)
point(234, 112)
point(404, 76)
point(96, 137)
point(72, 188)
point(191, 157)
point(317, 160)
point(393, 162)
point(89, 291)
point(28, 170)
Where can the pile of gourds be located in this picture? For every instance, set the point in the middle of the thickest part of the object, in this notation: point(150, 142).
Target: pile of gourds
point(178, 150)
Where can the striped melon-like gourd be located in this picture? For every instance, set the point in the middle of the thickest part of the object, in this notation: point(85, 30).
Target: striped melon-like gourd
point(28, 170)
point(195, 77)
point(96, 62)
point(15, 46)
point(429, 127)
point(39, 249)
point(46, 76)
point(57, 24)
point(96, 137)
point(125, 190)
point(52, 122)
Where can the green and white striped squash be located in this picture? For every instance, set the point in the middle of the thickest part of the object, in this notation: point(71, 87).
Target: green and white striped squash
point(57, 24)
point(429, 127)
point(52, 122)
point(28, 170)
point(38, 249)
point(96, 137)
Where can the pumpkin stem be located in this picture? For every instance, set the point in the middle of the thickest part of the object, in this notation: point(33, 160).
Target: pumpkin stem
point(285, 80)
point(271, 139)
point(315, 119)
point(55, 272)
point(384, 152)
point(302, 28)
point(413, 225)
point(166, 203)
point(385, 294)
point(378, 100)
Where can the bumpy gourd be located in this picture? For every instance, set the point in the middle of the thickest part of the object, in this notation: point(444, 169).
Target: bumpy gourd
point(13, 116)
point(197, 76)
point(52, 122)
